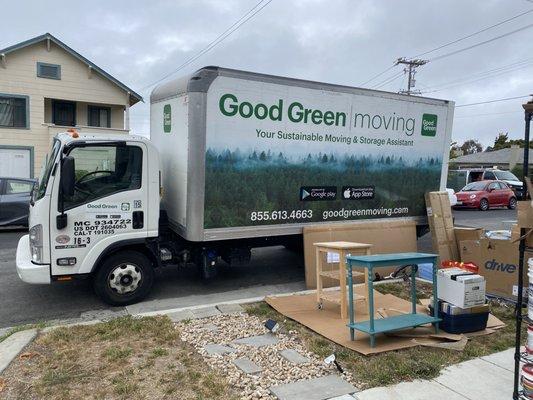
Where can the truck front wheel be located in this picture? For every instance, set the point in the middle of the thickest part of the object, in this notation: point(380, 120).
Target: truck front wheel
point(124, 278)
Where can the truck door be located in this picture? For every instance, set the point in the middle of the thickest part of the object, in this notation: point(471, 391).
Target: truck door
point(107, 207)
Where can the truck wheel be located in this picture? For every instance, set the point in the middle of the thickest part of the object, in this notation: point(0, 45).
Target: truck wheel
point(484, 205)
point(512, 203)
point(124, 278)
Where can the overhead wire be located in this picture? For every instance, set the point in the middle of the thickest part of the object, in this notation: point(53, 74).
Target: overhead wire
point(378, 75)
point(387, 80)
point(473, 34)
point(481, 43)
point(230, 30)
point(491, 101)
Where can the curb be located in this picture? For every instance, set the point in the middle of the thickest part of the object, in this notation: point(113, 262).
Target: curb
point(13, 345)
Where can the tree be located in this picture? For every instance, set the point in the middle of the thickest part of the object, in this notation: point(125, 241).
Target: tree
point(471, 146)
point(502, 141)
point(454, 150)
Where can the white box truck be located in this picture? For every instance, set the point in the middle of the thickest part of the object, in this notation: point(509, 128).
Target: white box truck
point(236, 160)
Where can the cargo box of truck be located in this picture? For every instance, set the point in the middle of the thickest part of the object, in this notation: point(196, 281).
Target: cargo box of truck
point(250, 155)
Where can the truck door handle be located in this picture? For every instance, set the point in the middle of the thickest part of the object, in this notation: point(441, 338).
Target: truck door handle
point(138, 219)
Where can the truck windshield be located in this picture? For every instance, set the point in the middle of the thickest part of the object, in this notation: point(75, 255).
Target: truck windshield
point(46, 169)
point(505, 176)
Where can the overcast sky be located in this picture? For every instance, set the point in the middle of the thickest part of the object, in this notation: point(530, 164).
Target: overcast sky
point(336, 41)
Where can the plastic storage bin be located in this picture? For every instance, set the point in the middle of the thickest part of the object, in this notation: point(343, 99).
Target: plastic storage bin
point(462, 323)
point(425, 271)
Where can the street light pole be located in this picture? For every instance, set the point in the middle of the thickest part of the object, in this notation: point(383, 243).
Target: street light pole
point(528, 109)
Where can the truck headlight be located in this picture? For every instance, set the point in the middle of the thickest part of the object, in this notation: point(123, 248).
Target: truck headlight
point(36, 243)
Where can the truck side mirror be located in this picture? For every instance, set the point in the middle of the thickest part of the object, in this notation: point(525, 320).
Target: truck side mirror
point(68, 176)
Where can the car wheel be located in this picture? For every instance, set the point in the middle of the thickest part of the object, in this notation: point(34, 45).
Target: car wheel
point(512, 203)
point(484, 205)
point(124, 278)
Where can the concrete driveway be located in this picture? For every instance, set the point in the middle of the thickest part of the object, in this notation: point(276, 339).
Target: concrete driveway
point(273, 270)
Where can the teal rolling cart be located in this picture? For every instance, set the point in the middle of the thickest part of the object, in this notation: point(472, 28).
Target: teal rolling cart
point(374, 326)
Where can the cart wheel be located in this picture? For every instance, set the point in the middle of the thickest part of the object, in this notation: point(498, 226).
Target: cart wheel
point(319, 306)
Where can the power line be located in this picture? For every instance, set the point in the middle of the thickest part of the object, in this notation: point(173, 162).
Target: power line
point(481, 43)
point(236, 25)
point(491, 101)
point(377, 75)
point(387, 80)
point(468, 81)
point(504, 68)
point(488, 114)
point(472, 34)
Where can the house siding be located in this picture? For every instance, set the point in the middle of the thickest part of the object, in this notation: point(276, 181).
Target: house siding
point(19, 77)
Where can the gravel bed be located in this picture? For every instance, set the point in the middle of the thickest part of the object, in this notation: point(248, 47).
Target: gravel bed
point(276, 370)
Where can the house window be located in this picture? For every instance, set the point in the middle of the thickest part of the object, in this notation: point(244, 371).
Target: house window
point(50, 71)
point(14, 111)
point(99, 116)
point(64, 113)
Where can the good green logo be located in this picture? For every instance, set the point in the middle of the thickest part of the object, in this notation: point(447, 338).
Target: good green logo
point(429, 125)
point(167, 118)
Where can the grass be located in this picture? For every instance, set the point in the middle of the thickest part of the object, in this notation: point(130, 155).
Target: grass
point(401, 365)
point(39, 325)
point(125, 358)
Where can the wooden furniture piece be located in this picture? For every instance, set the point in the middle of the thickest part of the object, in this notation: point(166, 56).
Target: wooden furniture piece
point(374, 326)
point(342, 249)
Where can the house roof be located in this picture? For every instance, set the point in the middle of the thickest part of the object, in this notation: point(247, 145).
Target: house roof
point(134, 97)
point(502, 156)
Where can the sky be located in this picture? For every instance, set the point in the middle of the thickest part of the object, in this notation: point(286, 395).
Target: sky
point(335, 41)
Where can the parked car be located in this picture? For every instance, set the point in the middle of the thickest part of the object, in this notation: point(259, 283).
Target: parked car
point(15, 194)
point(460, 177)
point(486, 194)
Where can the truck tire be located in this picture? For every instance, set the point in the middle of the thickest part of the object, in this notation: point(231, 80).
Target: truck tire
point(124, 278)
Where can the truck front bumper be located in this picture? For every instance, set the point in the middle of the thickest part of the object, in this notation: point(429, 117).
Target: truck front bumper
point(28, 271)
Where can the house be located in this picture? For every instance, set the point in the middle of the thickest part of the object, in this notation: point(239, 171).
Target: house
point(47, 87)
point(504, 159)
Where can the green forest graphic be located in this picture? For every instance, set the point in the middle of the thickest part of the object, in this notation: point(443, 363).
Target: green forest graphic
point(238, 183)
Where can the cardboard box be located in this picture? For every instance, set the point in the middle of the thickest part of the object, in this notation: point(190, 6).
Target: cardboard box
point(385, 237)
point(462, 289)
point(440, 221)
point(498, 263)
point(462, 234)
point(515, 235)
point(525, 214)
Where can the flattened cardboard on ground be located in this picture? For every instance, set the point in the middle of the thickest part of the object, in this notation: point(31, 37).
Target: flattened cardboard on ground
point(440, 221)
point(384, 236)
point(327, 322)
point(498, 263)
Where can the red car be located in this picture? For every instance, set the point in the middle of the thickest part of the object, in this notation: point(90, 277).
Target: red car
point(486, 194)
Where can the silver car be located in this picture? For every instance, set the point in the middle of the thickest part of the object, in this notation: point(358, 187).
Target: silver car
point(15, 194)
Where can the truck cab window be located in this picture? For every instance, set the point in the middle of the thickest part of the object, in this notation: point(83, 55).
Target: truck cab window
point(104, 170)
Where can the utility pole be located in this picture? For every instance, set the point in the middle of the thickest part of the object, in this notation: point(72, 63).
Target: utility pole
point(410, 69)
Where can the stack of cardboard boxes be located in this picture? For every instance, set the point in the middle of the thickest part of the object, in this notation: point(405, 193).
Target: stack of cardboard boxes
point(497, 259)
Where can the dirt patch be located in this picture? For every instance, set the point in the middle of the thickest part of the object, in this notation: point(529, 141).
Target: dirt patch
point(126, 358)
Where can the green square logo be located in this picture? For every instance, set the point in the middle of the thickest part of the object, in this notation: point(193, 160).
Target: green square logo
point(429, 125)
point(167, 118)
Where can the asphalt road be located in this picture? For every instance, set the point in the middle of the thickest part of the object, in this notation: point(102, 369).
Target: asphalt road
point(272, 270)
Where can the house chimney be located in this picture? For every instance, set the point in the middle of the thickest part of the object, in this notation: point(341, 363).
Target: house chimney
point(514, 156)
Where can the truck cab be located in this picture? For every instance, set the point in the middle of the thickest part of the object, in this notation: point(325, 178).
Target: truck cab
point(93, 213)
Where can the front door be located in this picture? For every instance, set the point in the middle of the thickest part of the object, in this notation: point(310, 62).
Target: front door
point(108, 205)
point(64, 113)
